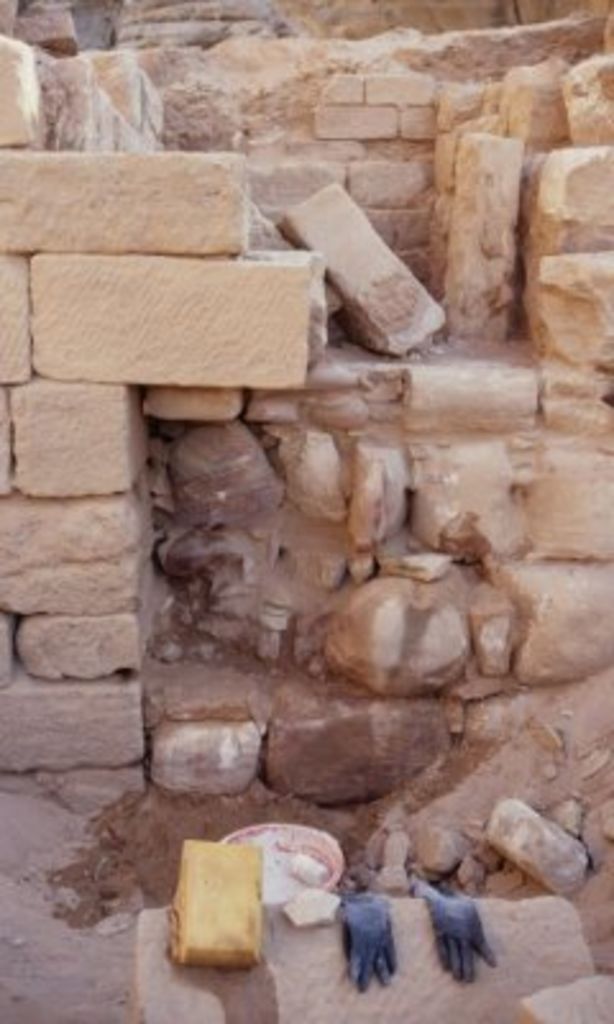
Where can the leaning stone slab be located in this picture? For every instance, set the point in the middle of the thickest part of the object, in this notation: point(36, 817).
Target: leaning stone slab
point(70, 725)
point(80, 647)
point(76, 439)
point(14, 320)
point(587, 1001)
point(154, 320)
point(390, 310)
point(168, 203)
point(19, 89)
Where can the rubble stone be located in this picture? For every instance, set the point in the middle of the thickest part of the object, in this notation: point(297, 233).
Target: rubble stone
point(378, 506)
point(492, 627)
point(439, 848)
point(104, 454)
point(441, 398)
point(131, 91)
point(8, 13)
point(390, 311)
point(208, 758)
point(589, 999)
point(163, 203)
point(575, 308)
point(482, 246)
point(5, 444)
point(532, 104)
point(313, 474)
point(575, 205)
point(20, 95)
point(590, 101)
point(207, 405)
point(70, 725)
point(14, 320)
point(58, 647)
point(537, 846)
point(311, 908)
point(175, 322)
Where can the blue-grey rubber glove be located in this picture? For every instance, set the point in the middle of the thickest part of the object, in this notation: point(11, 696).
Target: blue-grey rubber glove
point(459, 935)
point(368, 941)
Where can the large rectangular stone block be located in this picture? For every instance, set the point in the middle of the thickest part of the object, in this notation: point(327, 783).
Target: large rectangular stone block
point(19, 90)
point(76, 439)
point(14, 319)
point(140, 320)
point(80, 647)
point(168, 203)
point(70, 725)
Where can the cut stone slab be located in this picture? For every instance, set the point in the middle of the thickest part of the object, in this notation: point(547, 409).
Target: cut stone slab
point(389, 309)
point(80, 647)
point(442, 398)
point(70, 725)
point(206, 405)
point(20, 95)
point(312, 907)
point(590, 101)
point(162, 203)
point(6, 649)
point(175, 321)
point(304, 977)
point(15, 365)
point(587, 1001)
point(76, 439)
point(479, 282)
point(575, 303)
point(492, 617)
point(207, 758)
point(537, 846)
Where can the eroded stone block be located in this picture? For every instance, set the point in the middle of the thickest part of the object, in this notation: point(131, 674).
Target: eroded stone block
point(532, 104)
point(441, 398)
point(575, 306)
point(589, 97)
point(79, 647)
point(208, 758)
point(20, 94)
point(207, 405)
point(406, 89)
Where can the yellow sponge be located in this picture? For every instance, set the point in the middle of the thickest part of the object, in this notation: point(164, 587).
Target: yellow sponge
point(216, 916)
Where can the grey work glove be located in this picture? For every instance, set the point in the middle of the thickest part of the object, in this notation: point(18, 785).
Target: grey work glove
point(459, 935)
point(368, 941)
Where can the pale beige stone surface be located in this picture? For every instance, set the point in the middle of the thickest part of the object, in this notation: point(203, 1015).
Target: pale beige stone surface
point(587, 1001)
point(575, 306)
point(207, 405)
point(70, 725)
point(356, 122)
point(6, 648)
point(175, 322)
point(130, 90)
point(276, 186)
point(90, 790)
point(405, 89)
point(532, 104)
point(318, 298)
point(344, 89)
point(492, 620)
point(208, 758)
point(167, 203)
point(418, 124)
point(482, 244)
point(442, 398)
point(590, 101)
point(313, 471)
point(575, 203)
point(5, 443)
point(80, 647)
point(378, 499)
point(8, 13)
point(15, 363)
point(76, 439)
point(20, 93)
point(386, 185)
point(390, 310)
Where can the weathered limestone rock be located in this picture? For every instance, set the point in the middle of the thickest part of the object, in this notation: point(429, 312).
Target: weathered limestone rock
point(76, 439)
point(312, 908)
point(313, 471)
point(175, 321)
point(201, 404)
point(425, 567)
point(199, 692)
point(71, 557)
point(131, 91)
point(208, 758)
point(378, 505)
point(575, 207)
point(70, 725)
point(569, 504)
point(6, 649)
point(574, 402)
point(576, 308)
point(5, 444)
point(388, 186)
point(275, 187)
point(318, 306)
point(459, 102)
point(589, 1000)
point(14, 320)
point(441, 398)
point(564, 617)
point(463, 499)
point(221, 477)
point(482, 248)
point(569, 814)
point(163, 203)
point(397, 638)
point(20, 94)
point(439, 847)
point(390, 311)
point(532, 104)
point(50, 28)
point(589, 97)
point(338, 750)
point(492, 619)
point(537, 846)
point(79, 647)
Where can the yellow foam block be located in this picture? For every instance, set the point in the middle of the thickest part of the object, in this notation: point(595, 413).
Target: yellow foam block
point(216, 916)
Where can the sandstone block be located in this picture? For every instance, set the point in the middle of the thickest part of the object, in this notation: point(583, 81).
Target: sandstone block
point(482, 247)
point(52, 30)
point(441, 398)
point(589, 98)
point(576, 308)
point(71, 557)
point(208, 758)
point(565, 622)
point(14, 320)
point(532, 104)
point(275, 187)
point(313, 471)
point(378, 502)
point(390, 310)
point(318, 292)
point(76, 113)
point(397, 637)
point(386, 185)
point(418, 123)
point(207, 405)
point(20, 94)
point(204, 693)
point(338, 750)
point(344, 89)
point(175, 321)
point(6, 649)
point(537, 846)
point(79, 647)
point(407, 89)
point(589, 999)
point(163, 203)
point(70, 725)
point(459, 102)
point(344, 121)
point(575, 204)
point(76, 439)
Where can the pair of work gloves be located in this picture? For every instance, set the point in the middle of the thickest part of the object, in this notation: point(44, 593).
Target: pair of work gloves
point(369, 942)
